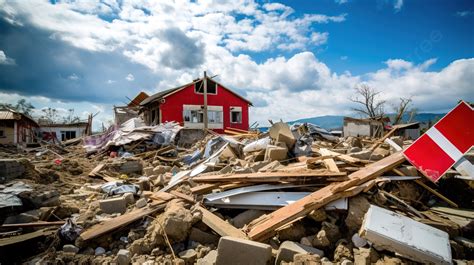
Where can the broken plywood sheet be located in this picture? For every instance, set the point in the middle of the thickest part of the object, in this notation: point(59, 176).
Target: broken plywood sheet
point(412, 239)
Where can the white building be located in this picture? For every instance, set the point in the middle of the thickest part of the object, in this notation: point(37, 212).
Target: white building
point(63, 132)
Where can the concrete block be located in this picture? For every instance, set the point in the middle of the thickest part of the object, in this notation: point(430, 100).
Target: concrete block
point(245, 217)
point(129, 198)
point(123, 257)
point(114, 205)
point(141, 203)
point(209, 259)
point(148, 171)
point(236, 251)
point(202, 237)
point(189, 256)
point(289, 248)
point(144, 184)
point(10, 169)
point(161, 169)
point(131, 166)
point(403, 235)
point(70, 248)
point(275, 153)
point(289, 140)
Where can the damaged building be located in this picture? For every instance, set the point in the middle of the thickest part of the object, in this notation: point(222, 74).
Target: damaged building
point(186, 104)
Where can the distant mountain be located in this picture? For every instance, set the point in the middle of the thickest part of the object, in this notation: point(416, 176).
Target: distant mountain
point(330, 122)
point(326, 122)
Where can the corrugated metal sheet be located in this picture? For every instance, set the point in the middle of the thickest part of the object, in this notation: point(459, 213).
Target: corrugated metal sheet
point(6, 115)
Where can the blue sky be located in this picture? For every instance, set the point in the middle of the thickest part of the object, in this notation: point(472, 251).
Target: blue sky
point(292, 59)
point(375, 31)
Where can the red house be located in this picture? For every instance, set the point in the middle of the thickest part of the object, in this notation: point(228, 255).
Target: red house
point(185, 104)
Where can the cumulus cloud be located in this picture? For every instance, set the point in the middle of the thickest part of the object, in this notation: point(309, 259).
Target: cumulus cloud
point(130, 77)
point(5, 60)
point(94, 54)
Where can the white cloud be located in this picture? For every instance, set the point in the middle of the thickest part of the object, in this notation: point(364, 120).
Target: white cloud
point(397, 5)
point(340, 1)
point(344, 57)
point(73, 77)
point(130, 77)
point(137, 32)
point(81, 109)
point(465, 13)
point(5, 60)
point(319, 38)
point(289, 88)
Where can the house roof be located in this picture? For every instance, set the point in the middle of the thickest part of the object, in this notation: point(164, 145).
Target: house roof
point(165, 93)
point(10, 114)
point(138, 99)
point(75, 124)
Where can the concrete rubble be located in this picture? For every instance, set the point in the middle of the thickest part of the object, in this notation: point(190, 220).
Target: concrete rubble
point(213, 201)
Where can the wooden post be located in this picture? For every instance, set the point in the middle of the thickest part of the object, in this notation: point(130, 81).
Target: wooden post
point(205, 100)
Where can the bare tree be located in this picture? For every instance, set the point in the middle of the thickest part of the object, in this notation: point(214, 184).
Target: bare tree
point(403, 107)
point(50, 114)
point(21, 106)
point(369, 105)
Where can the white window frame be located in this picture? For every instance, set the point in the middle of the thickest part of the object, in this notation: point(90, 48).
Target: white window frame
point(189, 109)
point(235, 109)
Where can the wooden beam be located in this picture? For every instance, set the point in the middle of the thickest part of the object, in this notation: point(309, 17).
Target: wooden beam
point(96, 170)
point(25, 237)
point(275, 177)
point(329, 162)
point(220, 226)
point(266, 227)
point(346, 158)
point(183, 196)
point(120, 221)
point(33, 224)
point(381, 140)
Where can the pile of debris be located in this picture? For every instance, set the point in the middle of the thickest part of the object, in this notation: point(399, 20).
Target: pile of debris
point(289, 196)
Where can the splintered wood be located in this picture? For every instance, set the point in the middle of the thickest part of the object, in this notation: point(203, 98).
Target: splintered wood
point(266, 227)
point(120, 221)
point(220, 226)
point(323, 176)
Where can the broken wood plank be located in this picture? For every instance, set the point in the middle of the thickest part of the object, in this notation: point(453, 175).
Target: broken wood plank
point(329, 162)
point(120, 221)
point(33, 224)
point(345, 158)
point(183, 196)
point(204, 188)
point(381, 140)
point(266, 227)
point(275, 177)
point(25, 237)
point(220, 226)
point(96, 170)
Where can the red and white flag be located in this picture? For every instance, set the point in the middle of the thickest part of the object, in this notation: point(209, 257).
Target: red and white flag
point(436, 151)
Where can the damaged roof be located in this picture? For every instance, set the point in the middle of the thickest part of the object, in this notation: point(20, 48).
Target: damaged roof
point(165, 93)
